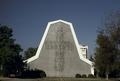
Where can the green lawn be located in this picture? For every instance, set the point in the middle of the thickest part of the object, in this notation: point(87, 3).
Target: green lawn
point(56, 79)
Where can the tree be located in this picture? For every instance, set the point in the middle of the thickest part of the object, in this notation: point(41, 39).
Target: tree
point(30, 52)
point(107, 53)
point(104, 54)
point(91, 58)
point(113, 31)
point(10, 59)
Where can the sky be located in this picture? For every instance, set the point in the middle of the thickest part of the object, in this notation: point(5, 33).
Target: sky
point(29, 18)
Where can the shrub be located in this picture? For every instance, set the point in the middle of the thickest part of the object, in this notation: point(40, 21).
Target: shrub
point(42, 74)
point(91, 76)
point(84, 76)
point(33, 74)
point(78, 76)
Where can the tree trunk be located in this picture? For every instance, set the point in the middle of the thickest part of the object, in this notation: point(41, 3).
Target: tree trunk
point(1, 67)
point(97, 75)
point(1, 70)
point(107, 75)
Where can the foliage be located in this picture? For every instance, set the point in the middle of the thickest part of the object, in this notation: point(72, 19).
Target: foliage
point(104, 54)
point(91, 76)
point(78, 76)
point(10, 60)
point(107, 55)
point(91, 58)
point(33, 74)
point(84, 76)
point(30, 52)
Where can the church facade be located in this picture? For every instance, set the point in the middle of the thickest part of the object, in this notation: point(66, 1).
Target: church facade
point(59, 53)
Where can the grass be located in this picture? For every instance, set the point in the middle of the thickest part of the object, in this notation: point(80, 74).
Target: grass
point(57, 79)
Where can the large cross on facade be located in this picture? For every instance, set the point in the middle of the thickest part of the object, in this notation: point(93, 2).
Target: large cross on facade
point(60, 45)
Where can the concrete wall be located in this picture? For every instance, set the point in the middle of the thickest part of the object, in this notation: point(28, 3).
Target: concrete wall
point(59, 55)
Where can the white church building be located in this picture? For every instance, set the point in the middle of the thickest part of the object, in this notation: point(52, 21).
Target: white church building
point(59, 53)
